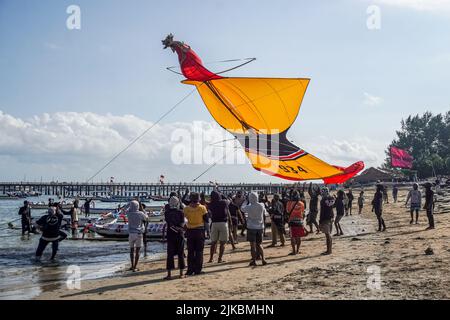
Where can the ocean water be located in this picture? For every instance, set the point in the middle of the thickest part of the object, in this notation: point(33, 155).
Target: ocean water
point(22, 278)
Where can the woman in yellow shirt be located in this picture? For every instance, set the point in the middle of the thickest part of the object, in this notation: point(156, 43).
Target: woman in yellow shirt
point(195, 214)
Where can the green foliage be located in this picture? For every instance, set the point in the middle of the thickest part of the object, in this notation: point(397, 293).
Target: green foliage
point(427, 138)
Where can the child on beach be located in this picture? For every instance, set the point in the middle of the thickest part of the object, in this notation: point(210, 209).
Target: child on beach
point(326, 218)
point(395, 193)
point(361, 201)
point(429, 205)
point(340, 211)
point(350, 199)
point(416, 200)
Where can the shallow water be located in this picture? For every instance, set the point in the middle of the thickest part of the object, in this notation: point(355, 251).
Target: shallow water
point(22, 278)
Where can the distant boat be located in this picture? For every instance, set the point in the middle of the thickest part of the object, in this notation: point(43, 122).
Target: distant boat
point(158, 198)
point(122, 199)
point(8, 197)
point(44, 206)
point(107, 210)
point(117, 227)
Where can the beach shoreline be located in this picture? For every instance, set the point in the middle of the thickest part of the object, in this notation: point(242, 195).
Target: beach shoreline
point(406, 272)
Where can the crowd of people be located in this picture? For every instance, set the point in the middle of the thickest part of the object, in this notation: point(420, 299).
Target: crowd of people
point(191, 219)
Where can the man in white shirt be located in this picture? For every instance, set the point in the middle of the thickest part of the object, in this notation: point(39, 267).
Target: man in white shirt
point(136, 221)
point(416, 202)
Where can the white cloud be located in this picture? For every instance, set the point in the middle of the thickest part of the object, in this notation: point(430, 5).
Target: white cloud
point(77, 144)
point(347, 151)
point(436, 6)
point(90, 134)
point(71, 146)
point(371, 100)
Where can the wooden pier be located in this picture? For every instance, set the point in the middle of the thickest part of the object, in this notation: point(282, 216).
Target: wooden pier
point(72, 189)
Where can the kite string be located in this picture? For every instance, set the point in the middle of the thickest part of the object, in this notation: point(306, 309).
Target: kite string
point(247, 61)
point(142, 134)
point(214, 164)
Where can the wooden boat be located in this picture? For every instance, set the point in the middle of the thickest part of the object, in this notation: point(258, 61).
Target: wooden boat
point(117, 227)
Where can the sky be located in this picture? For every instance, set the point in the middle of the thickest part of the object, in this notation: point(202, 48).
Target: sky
point(72, 99)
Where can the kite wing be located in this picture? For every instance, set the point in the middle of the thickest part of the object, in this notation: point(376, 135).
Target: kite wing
point(259, 112)
point(347, 173)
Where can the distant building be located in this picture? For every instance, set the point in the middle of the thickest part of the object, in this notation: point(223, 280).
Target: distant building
point(372, 175)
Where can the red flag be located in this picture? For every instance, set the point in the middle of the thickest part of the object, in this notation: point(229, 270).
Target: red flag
point(401, 159)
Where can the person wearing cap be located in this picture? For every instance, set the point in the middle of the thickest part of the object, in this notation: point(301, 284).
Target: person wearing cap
point(50, 225)
point(416, 202)
point(377, 207)
point(25, 215)
point(174, 218)
point(326, 218)
point(195, 213)
point(429, 205)
point(136, 219)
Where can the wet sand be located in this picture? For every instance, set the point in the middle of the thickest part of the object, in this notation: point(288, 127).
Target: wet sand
point(406, 271)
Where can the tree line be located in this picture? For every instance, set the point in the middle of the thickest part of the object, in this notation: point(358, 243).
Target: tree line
point(427, 138)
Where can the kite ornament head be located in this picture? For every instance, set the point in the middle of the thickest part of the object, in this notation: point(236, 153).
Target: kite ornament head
point(168, 41)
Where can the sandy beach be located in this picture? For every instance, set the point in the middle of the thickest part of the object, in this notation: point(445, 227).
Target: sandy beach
point(406, 271)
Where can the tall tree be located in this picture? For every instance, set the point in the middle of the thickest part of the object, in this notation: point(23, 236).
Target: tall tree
point(427, 138)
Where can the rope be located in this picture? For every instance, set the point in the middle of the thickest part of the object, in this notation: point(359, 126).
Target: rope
point(7, 223)
point(247, 61)
point(214, 164)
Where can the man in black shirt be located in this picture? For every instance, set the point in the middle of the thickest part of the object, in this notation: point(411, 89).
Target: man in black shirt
point(350, 198)
point(429, 205)
point(220, 216)
point(87, 207)
point(25, 213)
point(313, 208)
point(326, 218)
point(50, 225)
